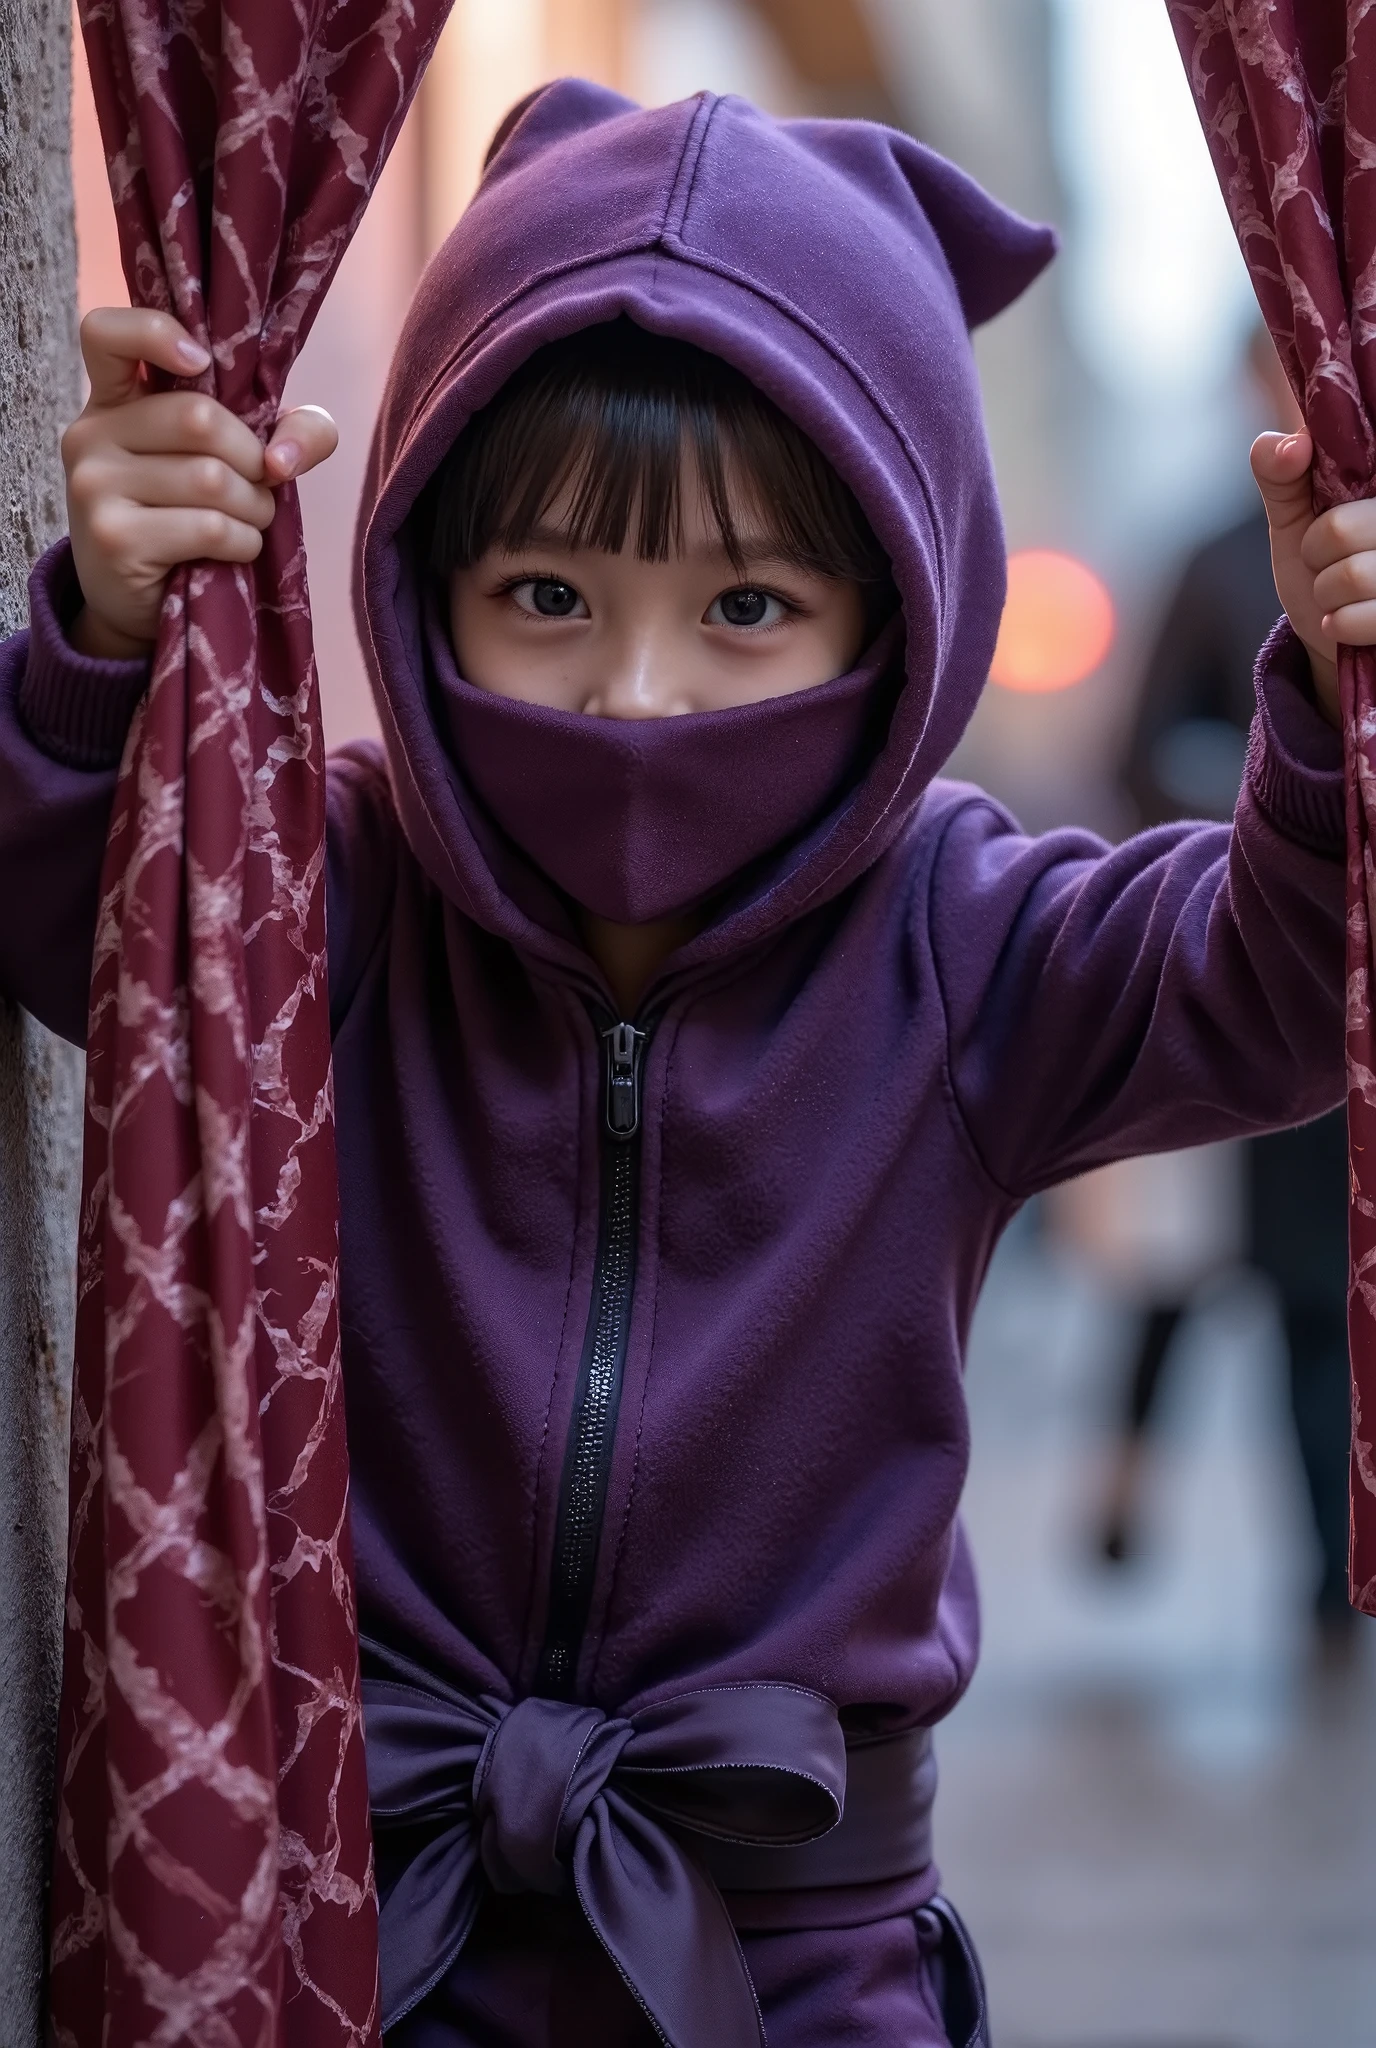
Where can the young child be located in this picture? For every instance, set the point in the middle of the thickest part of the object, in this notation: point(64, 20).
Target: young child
point(694, 1041)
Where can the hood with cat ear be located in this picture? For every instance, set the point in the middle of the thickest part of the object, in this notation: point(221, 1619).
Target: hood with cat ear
point(840, 266)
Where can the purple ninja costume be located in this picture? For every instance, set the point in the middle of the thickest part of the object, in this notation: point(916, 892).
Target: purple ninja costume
point(653, 1326)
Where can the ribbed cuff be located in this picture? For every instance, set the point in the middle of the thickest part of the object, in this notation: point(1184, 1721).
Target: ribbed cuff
point(76, 708)
point(1294, 757)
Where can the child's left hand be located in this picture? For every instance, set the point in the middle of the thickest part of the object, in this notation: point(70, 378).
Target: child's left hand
point(1325, 568)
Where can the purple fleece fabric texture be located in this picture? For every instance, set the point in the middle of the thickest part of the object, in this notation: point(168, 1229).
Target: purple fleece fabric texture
point(901, 1026)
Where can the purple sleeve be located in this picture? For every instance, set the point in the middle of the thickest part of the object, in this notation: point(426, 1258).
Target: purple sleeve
point(1185, 986)
point(64, 718)
point(63, 722)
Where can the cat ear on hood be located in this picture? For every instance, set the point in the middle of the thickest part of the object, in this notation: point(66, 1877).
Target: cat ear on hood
point(992, 253)
point(566, 106)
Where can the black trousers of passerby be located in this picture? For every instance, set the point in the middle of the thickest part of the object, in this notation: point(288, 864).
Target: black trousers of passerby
point(1297, 1189)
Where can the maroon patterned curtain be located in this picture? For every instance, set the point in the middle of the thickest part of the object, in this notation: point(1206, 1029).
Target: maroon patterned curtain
point(213, 1865)
point(1286, 90)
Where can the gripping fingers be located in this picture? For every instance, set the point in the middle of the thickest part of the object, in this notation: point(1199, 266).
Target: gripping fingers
point(1352, 625)
point(189, 423)
point(1346, 585)
point(117, 340)
point(136, 539)
point(197, 483)
point(301, 438)
point(1345, 532)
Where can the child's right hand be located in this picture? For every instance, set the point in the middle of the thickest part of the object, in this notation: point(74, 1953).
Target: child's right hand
point(158, 478)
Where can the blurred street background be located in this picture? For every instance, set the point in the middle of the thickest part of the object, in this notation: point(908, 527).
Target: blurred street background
point(1159, 1800)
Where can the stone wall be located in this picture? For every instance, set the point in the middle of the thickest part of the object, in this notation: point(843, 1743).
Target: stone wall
point(40, 1080)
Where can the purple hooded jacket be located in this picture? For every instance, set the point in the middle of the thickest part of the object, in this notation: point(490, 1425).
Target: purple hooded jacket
point(906, 1023)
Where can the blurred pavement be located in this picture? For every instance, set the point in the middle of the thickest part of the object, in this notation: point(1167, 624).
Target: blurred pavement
point(1158, 1806)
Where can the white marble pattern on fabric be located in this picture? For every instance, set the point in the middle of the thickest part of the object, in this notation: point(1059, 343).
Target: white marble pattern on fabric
point(213, 1867)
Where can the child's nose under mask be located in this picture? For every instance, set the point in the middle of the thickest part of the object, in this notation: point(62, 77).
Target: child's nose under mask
point(638, 819)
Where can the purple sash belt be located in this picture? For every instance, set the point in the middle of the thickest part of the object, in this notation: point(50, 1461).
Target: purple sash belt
point(543, 1796)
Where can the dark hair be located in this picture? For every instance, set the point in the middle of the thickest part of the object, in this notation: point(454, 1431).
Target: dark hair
point(607, 413)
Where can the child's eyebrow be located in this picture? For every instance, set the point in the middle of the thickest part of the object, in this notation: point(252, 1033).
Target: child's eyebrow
point(538, 536)
point(753, 547)
point(757, 548)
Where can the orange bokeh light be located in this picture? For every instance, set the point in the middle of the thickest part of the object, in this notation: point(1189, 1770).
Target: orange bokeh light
point(1057, 623)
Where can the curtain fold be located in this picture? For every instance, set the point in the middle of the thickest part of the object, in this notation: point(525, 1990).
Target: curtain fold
point(1286, 91)
point(213, 1864)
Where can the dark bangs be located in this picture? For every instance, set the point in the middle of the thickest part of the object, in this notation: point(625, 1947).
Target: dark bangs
point(605, 417)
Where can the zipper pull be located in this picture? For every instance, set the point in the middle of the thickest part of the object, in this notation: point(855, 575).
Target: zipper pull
point(624, 1047)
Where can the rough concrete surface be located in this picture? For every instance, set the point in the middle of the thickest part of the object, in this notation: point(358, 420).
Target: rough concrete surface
point(40, 1080)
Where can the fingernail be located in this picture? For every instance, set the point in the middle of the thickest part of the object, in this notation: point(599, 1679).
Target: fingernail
point(287, 456)
point(193, 355)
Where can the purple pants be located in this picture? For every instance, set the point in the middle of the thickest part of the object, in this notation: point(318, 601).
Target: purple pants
point(532, 1976)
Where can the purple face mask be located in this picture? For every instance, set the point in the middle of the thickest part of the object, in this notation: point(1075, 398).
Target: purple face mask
point(638, 819)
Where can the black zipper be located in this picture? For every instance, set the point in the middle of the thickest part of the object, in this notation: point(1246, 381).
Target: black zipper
point(597, 1396)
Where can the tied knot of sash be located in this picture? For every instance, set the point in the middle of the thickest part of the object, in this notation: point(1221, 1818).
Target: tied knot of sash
point(548, 1797)
point(540, 1770)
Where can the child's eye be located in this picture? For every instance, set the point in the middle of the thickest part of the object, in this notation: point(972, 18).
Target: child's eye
point(546, 597)
point(745, 607)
